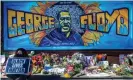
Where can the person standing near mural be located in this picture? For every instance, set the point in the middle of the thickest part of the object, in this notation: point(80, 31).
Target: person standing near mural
point(23, 54)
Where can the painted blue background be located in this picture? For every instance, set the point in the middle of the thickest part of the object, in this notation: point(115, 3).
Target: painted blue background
point(108, 41)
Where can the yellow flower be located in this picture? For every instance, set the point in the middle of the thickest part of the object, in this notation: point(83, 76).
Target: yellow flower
point(66, 75)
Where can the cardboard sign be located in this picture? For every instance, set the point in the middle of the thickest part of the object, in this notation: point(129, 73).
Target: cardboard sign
point(17, 66)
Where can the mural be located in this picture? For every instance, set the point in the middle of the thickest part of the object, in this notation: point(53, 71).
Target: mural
point(67, 25)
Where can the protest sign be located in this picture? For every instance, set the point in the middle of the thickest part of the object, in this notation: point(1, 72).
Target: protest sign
point(17, 65)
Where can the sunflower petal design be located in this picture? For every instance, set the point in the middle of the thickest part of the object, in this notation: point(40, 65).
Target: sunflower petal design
point(90, 37)
point(37, 37)
point(40, 9)
point(90, 8)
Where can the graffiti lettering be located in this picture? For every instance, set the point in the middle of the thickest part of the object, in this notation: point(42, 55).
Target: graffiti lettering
point(104, 21)
point(20, 23)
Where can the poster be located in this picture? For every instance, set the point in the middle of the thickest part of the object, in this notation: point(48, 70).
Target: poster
point(67, 25)
point(18, 66)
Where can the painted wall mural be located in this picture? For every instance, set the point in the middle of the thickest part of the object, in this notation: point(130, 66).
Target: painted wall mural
point(67, 25)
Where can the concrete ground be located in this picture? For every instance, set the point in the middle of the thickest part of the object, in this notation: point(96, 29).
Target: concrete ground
point(42, 77)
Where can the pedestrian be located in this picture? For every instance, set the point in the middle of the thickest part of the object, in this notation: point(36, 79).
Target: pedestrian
point(23, 54)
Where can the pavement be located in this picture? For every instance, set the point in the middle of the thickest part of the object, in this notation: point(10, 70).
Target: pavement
point(43, 77)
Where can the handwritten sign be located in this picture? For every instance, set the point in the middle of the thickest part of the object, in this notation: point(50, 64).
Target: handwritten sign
point(17, 65)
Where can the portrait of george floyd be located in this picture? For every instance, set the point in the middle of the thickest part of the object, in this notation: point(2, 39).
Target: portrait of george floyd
point(63, 35)
point(67, 29)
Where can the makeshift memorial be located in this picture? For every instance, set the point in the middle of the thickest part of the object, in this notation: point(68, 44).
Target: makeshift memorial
point(66, 75)
point(90, 60)
point(56, 71)
point(130, 58)
point(103, 64)
point(99, 57)
point(78, 65)
point(122, 58)
point(124, 71)
point(31, 54)
point(38, 63)
point(34, 70)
